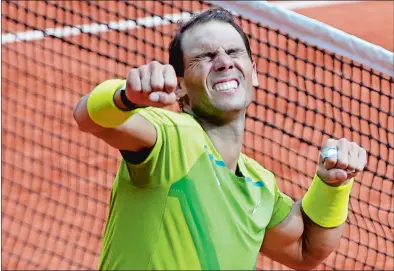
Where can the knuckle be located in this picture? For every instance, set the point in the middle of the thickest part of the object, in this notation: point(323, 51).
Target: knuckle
point(170, 72)
point(352, 165)
point(155, 63)
point(329, 142)
point(342, 141)
point(143, 69)
point(156, 80)
point(135, 85)
point(157, 84)
point(343, 152)
point(154, 66)
point(169, 67)
point(133, 71)
point(145, 80)
point(145, 85)
point(354, 145)
point(170, 82)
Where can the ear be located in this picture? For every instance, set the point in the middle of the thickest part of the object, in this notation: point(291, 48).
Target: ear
point(255, 79)
point(180, 89)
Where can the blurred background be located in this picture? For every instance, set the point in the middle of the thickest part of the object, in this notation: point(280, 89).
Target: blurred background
point(56, 180)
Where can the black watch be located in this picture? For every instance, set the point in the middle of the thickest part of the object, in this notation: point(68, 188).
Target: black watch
point(126, 102)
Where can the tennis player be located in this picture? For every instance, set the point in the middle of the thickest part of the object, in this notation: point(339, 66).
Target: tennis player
point(185, 196)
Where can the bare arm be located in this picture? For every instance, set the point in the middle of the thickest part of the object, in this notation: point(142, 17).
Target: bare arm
point(297, 241)
point(133, 135)
point(151, 85)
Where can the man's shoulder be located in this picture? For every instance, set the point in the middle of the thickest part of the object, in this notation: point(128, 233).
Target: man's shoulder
point(168, 117)
point(256, 168)
point(254, 164)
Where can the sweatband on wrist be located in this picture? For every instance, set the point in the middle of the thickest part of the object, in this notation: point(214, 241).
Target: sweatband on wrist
point(101, 107)
point(327, 205)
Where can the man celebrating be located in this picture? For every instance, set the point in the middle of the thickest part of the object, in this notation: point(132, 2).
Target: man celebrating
point(185, 196)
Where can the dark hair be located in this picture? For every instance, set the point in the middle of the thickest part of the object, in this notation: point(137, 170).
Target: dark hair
point(217, 14)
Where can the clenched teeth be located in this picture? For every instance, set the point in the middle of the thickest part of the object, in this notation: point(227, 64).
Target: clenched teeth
point(229, 85)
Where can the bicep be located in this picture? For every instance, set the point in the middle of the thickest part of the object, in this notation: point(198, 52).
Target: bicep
point(283, 242)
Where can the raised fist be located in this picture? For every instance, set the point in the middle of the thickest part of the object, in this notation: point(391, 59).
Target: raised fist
point(340, 160)
point(153, 84)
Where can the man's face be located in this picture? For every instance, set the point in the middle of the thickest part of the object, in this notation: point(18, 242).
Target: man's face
point(219, 76)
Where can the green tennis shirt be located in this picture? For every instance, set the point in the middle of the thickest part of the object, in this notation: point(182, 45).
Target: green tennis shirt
point(182, 208)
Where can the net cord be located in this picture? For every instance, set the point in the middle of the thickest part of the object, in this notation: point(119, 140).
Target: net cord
point(314, 33)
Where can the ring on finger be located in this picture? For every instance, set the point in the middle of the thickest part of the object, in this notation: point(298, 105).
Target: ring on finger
point(331, 152)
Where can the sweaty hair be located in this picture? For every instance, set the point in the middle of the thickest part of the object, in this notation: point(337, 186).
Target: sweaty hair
point(217, 14)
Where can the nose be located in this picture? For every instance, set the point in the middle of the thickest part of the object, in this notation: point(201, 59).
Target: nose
point(223, 62)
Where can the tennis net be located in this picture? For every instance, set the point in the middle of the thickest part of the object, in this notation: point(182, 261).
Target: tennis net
point(315, 82)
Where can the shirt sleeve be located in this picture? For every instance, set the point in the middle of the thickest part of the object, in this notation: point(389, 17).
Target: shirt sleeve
point(175, 149)
point(282, 207)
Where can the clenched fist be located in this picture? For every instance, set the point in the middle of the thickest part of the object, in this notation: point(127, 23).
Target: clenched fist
point(340, 160)
point(153, 84)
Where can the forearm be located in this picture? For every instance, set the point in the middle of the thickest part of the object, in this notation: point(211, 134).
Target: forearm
point(318, 242)
point(312, 230)
point(324, 210)
point(298, 242)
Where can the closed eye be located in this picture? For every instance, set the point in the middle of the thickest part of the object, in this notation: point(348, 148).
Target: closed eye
point(206, 55)
point(235, 51)
point(211, 55)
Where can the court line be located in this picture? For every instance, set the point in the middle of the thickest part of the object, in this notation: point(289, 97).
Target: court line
point(93, 28)
point(132, 24)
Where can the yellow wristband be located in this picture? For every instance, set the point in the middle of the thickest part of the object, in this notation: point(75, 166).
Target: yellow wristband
point(327, 205)
point(101, 107)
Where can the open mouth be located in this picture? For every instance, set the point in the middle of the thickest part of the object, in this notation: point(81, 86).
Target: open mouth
point(228, 86)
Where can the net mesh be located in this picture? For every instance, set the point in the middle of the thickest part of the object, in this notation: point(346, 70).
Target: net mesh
point(56, 180)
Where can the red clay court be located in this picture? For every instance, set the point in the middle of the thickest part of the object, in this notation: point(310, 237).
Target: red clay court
point(56, 180)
